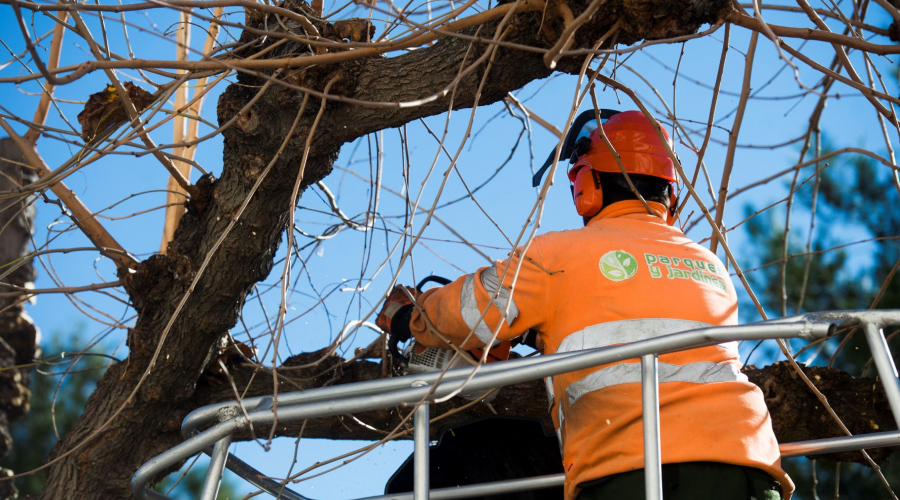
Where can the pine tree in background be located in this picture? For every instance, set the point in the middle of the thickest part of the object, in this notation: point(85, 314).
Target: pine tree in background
point(854, 200)
point(60, 387)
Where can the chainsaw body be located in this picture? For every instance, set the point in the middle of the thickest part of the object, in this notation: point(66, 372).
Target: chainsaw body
point(432, 359)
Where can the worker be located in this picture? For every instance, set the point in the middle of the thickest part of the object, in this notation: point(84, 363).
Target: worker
point(629, 274)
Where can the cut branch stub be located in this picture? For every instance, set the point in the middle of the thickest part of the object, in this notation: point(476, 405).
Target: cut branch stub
point(104, 109)
point(355, 30)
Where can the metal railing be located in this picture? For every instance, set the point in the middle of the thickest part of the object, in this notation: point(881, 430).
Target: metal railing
point(419, 389)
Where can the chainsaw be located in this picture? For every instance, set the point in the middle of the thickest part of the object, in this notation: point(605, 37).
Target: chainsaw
point(417, 360)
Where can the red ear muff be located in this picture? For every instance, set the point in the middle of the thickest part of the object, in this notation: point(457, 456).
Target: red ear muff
point(586, 192)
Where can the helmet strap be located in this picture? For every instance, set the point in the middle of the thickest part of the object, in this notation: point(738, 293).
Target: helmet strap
point(673, 204)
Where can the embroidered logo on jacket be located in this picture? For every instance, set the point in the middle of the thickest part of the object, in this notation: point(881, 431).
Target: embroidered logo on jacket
point(618, 265)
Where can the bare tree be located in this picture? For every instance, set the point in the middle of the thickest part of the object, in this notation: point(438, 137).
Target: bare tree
point(305, 84)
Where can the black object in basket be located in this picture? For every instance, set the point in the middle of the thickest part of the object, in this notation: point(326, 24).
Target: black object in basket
point(486, 450)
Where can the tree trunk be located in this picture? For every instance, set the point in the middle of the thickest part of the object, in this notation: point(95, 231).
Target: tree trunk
point(19, 337)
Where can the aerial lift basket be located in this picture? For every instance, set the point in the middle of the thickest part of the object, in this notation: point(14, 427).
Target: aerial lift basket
point(420, 389)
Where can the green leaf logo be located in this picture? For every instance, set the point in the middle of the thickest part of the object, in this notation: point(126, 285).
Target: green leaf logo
point(618, 265)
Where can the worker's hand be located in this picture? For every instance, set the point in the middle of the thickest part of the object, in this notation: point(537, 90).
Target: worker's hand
point(394, 316)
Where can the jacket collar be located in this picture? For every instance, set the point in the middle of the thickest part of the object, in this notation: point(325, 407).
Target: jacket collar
point(633, 209)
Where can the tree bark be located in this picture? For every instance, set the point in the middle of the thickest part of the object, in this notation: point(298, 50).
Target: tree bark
point(797, 415)
point(134, 429)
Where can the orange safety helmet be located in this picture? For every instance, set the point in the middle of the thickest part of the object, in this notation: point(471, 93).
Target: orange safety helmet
point(641, 152)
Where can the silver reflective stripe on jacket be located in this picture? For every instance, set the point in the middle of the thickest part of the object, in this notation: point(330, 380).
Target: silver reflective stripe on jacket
point(490, 280)
point(559, 429)
point(623, 332)
point(469, 310)
point(548, 384)
point(705, 372)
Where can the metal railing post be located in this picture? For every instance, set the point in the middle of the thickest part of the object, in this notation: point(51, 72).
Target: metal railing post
point(652, 453)
point(884, 363)
point(420, 453)
point(216, 466)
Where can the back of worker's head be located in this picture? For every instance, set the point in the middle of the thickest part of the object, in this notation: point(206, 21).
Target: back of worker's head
point(597, 174)
point(615, 188)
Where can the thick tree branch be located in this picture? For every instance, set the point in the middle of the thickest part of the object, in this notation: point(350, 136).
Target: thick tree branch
point(785, 394)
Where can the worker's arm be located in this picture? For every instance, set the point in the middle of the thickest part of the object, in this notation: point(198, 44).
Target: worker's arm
point(464, 313)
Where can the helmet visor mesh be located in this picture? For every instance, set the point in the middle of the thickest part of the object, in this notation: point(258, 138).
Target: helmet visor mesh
point(584, 124)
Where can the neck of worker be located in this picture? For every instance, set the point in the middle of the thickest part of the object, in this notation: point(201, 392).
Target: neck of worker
point(633, 209)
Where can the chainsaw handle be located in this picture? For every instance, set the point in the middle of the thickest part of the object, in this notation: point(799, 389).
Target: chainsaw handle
point(393, 342)
point(432, 278)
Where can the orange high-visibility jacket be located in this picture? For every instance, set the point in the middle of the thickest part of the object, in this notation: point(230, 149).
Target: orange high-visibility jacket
point(626, 276)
